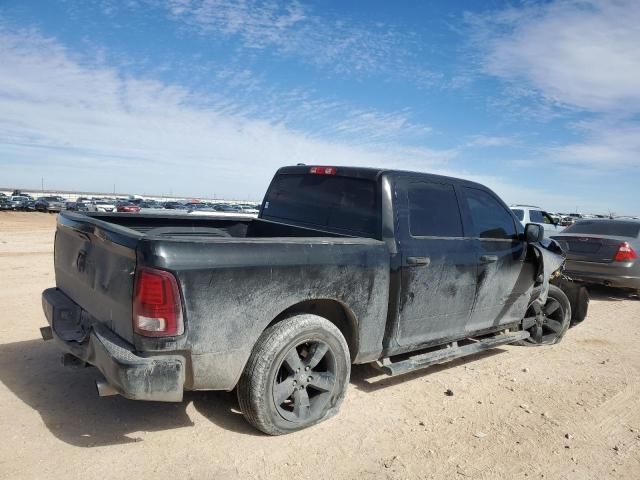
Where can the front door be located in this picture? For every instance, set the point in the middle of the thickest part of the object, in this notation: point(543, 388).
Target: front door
point(438, 271)
point(504, 280)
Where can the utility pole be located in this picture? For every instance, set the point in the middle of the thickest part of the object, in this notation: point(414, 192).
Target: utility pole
point(42, 185)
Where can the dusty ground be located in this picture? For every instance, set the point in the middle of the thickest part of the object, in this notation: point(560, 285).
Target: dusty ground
point(568, 411)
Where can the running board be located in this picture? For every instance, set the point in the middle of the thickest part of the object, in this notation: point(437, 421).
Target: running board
point(447, 353)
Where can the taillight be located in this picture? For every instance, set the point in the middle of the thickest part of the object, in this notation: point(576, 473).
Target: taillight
point(625, 253)
point(323, 170)
point(157, 310)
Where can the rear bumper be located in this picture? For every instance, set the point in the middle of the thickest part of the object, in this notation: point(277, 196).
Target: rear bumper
point(159, 378)
point(614, 279)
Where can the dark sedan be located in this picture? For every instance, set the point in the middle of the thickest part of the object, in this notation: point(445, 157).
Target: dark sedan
point(50, 204)
point(603, 252)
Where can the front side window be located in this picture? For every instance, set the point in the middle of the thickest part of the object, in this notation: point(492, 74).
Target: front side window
point(433, 210)
point(490, 219)
point(547, 218)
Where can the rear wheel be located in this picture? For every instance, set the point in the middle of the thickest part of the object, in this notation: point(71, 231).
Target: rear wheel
point(548, 323)
point(296, 376)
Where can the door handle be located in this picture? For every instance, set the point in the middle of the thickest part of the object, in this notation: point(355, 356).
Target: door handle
point(418, 261)
point(488, 258)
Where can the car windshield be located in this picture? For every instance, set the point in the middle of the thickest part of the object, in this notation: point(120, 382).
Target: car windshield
point(324, 201)
point(615, 228)
point(519, 213)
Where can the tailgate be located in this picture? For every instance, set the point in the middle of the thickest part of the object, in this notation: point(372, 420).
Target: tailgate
point(95, 267)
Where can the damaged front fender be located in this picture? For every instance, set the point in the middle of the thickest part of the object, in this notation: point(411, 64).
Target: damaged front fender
point(550, 263)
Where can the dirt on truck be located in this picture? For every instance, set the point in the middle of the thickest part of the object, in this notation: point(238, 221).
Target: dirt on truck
point(343, 266)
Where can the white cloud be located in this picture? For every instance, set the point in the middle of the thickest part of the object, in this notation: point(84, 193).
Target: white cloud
point(607, 145)
point(84, 126)
point(579, 53)
point(293, 30)
point(569, 59)
point(483, 141)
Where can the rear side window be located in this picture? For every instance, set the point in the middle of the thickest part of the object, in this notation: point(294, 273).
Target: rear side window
point(605, 227)
point(490, 218)
point(433, 210)
point(324, 201)
point(519, 213)
point(536, 216)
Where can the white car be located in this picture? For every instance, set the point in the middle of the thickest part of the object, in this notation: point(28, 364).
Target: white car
point(101, 206)
point(532, 214)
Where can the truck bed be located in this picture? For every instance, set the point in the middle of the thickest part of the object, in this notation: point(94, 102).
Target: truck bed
point(235, 276)
point(176, 226)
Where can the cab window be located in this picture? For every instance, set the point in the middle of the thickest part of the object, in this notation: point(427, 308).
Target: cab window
point(433, 210)
point(490, 219)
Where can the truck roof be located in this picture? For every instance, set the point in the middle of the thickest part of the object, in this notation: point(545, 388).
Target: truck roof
point(373, 173)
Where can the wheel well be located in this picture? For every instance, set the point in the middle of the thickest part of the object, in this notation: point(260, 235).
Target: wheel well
point(334, 311)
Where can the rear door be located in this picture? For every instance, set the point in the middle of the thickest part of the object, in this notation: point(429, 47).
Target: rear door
point(438, 264)
point(504, 280)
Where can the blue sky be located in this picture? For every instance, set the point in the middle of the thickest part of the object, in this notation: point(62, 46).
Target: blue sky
point(538, 100)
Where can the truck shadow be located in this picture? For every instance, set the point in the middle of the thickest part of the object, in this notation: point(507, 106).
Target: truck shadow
point(70, 408)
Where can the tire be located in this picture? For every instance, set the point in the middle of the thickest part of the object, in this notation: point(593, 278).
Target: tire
point(270, 374)
point(554, 321)
point(579, 313)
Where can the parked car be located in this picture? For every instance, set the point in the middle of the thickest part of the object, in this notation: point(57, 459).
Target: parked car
point(174, 206)
point(18, 201)
point(5, 204)
point(150, 204)
point(344, 265)
point(76, 206)
point(223, 207)
point(603, 251)
point(126, 207)
point(531, 214)
point(50, 204)
point(18, 193)
point(101, 206)
point(28, 206)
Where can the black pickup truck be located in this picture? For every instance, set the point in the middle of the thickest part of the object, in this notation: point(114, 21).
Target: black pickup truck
point(343, 265)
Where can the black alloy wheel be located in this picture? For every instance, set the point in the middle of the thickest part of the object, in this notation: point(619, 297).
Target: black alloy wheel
point(547, 323)
point(304, 382)
point(296, 376)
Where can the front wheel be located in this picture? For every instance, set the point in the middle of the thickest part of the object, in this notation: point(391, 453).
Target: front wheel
point(296, 376)
point(547, 324)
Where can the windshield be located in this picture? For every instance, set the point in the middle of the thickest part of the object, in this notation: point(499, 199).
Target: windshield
point(341, 204)
point(615, 228)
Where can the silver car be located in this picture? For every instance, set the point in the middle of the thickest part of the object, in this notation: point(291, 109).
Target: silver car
point(604, 252)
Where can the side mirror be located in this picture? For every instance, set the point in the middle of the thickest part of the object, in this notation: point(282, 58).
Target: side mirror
point(533, 233)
